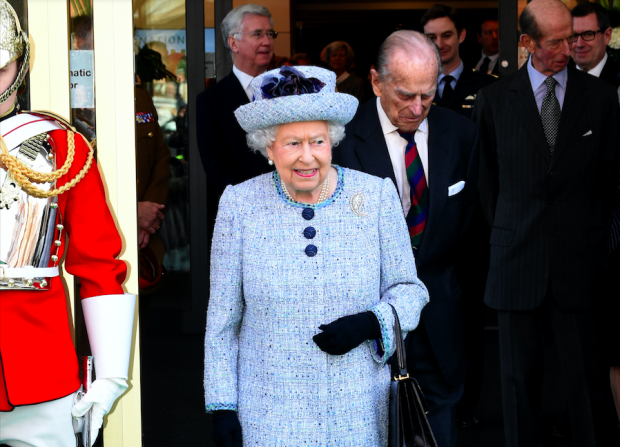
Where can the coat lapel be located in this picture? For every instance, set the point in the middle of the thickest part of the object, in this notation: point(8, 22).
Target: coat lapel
point(439, 167)
point(527, 111)
point(463, 87)
point(373, 153)
point(575, 101)
point(237, 96)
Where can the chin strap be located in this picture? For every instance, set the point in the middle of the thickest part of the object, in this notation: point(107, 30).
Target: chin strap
point(109, 322)
point(22, 71)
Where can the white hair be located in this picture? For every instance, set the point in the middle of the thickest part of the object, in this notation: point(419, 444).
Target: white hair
point(260, 139)
point(233, 22)
point(414, 44)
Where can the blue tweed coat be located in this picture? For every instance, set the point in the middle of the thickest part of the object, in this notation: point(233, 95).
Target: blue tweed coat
point(269, 296)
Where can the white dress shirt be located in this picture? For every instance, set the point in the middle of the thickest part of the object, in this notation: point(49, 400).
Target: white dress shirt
point(396, 147)
point(493, 59)
point(245, 80)
point(537, 79)
point(596, 71)
point(456, 74)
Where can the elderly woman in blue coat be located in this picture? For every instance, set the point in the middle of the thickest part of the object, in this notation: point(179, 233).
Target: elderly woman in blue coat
point(306, 263)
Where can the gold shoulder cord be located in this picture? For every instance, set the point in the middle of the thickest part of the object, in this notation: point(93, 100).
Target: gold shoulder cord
point(25, 176)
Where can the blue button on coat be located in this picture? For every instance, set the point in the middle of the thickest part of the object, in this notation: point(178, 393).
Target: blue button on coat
point(268, 299)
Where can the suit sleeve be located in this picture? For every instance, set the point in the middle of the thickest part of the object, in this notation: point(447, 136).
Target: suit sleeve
point(94, 242)
point(157, 190)
point(488, 176)
point(225, 311)
point(400, 285)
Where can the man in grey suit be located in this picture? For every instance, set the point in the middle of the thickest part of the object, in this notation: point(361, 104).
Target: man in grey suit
point(548, 171)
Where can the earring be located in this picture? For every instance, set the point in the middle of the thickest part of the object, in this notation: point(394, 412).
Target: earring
point(270, 162)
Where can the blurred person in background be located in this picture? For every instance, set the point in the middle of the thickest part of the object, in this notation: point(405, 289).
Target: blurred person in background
point(457, 85)
point(340, 57)
point(592, 28)
point(488, 38)
point(248, 35)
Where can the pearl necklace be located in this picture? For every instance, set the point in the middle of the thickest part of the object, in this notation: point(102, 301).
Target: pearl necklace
point(322, 196)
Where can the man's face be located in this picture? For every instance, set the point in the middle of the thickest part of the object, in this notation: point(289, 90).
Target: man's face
point(588, 53)
point(407, 96)
point(253, 51)
point(552, 53)
point(489, 37)
point(443, 33)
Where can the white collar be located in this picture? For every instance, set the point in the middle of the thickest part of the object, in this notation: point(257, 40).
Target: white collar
point(537, 78)
point(596, 71)
point(342, 77)
point(495, 56)
point(456, 74)
point(388, 127)
point(244, 78)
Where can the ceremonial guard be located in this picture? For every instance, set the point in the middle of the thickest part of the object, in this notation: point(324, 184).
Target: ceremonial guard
point(52, 203)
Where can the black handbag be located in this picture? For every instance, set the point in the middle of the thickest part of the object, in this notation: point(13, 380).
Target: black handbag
point(408, 425)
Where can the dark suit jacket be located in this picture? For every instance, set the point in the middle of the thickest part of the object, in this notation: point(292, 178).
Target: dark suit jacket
point(225, 155)
point(467, 86)
point(548, 213)
point(495, 70)
point(611, 72)
point(452, 157)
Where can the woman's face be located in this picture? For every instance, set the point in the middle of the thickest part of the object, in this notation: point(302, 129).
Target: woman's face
point(302, 155)
point(338, 60)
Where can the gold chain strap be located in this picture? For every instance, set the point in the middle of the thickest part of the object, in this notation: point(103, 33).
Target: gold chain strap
point(24, 175)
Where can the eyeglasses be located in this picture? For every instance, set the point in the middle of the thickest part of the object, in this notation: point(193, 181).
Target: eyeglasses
point(586, 35)
point(258, 35)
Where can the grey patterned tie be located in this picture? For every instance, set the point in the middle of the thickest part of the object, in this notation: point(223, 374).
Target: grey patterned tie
point(550, 112)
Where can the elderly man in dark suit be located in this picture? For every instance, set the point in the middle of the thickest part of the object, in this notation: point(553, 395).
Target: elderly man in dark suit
point(458, 84)
point(431, 155)
point(248, 34)
point(593, 31)
point(548, 171)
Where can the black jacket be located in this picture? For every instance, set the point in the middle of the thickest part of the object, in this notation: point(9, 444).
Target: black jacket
point(611, 72)
point(453, 157)
point(462, 100)
point(548, 212)
point(225, 155)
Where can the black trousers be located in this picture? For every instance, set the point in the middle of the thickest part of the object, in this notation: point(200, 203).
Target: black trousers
point(584, 375)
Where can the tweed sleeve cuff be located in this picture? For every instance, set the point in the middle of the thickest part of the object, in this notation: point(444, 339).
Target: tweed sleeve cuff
point(383, 348)
point(210, 408)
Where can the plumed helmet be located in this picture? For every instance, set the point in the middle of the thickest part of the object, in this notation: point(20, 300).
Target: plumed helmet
point(13, 44)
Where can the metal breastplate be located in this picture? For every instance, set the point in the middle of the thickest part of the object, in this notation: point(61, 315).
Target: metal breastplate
point(28, 224)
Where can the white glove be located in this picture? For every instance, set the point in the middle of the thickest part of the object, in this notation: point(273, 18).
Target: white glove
point(101, 396)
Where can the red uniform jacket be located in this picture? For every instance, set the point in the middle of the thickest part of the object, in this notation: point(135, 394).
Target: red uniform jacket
point(37, 356)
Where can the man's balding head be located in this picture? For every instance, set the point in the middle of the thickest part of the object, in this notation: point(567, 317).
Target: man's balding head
point(414, 46)
point(547, 28)
point(405, 80)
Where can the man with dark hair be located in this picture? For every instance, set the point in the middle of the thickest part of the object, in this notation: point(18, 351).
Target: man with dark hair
point(488, 38)
point(431, 155)
point(457, 85)
point(549, 147)
point(248, 35)
point(593, 32)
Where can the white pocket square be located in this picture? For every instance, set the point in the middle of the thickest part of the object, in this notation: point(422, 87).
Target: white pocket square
point(456, 188)
point(589, 132)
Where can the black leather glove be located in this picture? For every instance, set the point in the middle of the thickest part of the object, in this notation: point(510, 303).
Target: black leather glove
point(226, 429)
point(346, 333)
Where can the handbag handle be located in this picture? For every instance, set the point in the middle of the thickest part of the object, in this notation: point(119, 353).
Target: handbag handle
point(400, 347)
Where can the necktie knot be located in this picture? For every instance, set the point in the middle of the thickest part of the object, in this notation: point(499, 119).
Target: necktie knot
point(409, 136)
point(448, 79)
point(551, 82)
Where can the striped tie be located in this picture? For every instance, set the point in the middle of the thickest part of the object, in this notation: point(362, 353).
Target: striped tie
point(417, 215)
